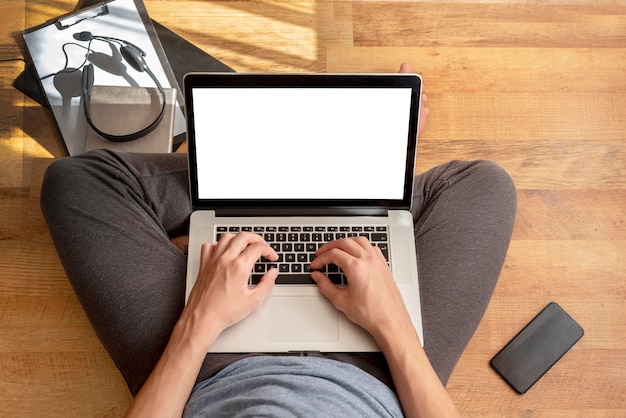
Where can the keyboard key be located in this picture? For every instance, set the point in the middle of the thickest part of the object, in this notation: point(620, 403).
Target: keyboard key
point(302, 278)
point(384, 248)
point(335, 278)
point(378, 236)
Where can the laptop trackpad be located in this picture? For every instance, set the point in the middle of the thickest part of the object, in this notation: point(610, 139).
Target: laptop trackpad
point(306, 318)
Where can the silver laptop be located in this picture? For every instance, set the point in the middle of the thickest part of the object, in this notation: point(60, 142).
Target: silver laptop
point(302, 159)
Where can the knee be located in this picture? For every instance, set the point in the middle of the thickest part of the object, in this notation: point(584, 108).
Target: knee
point(67, 180)
point(496, 176)
point(495, 183)
point(58, 185)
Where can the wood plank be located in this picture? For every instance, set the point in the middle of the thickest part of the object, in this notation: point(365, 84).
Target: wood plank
point(55, 383)
point(538, 165)
point(581, 214)
point(487, 68)
point(480, 24)
point(31, 268)
point(496, 116)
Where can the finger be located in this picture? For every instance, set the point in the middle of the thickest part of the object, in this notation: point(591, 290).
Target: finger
point(243, 239)
point(206, 251)
point(257, 250)
point(236, 244)
point(335, 256)
point(424, 112)
point(223, 243)
point(406, 68)
point(422, 123)
point(379, 254)
point(342, 252)
point(266, 284)
point(326, 287)
point(350, 245)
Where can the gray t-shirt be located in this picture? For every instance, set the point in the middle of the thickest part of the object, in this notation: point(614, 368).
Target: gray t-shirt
point(292, 386)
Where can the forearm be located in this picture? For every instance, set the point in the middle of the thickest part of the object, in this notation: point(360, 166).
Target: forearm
point(167, 390)
point(420, 391)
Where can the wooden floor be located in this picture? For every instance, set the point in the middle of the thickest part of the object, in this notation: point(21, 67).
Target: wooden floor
point(539, 87)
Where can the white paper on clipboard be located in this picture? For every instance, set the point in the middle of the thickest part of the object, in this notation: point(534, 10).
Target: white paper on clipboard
point(55, 52)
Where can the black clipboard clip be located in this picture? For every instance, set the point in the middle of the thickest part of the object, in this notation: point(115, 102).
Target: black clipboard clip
point(75, 18)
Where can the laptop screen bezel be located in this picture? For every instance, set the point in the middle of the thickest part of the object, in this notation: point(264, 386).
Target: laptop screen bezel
point(295, 206)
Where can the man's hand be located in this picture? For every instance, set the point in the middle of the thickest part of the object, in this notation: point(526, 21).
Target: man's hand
point(372, 298)
point(221, 296)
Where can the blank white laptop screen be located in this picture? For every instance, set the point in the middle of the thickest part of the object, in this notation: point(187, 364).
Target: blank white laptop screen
point(301, 143)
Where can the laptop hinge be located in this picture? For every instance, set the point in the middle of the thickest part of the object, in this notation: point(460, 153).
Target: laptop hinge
point(226, 212)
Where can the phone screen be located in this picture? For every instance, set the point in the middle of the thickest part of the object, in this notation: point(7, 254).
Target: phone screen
point(531, 353)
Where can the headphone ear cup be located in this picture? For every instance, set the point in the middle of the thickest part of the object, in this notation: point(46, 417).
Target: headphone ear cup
point(133, 56)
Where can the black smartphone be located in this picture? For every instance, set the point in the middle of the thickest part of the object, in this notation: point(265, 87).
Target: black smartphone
point(535, 349)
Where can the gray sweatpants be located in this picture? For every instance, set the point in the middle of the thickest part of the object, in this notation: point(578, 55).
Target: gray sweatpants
point(111, 216)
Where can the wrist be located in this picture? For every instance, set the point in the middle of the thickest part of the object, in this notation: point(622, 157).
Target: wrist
point(397, 333)
point(194, 329)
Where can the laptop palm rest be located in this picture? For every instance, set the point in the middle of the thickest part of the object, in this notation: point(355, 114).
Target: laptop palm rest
point(303, 319)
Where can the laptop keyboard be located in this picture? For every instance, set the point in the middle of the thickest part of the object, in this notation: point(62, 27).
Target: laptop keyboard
point(296, 246)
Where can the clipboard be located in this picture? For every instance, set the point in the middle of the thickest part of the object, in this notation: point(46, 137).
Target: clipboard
point(58, 56)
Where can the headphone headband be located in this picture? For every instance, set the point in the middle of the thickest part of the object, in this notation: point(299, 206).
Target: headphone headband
point(134, 57)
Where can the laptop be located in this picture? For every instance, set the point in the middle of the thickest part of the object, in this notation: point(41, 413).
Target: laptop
point(302, 159)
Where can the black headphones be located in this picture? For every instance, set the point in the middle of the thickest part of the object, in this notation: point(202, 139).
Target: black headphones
point(134, 57)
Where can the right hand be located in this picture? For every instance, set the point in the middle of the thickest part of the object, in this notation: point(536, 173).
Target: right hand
point(371, 299)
